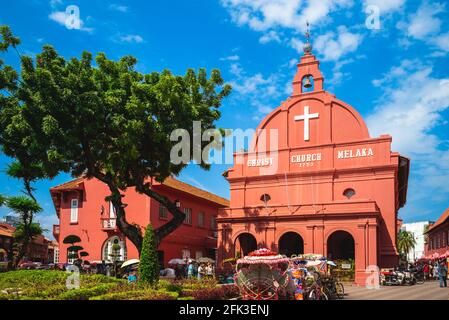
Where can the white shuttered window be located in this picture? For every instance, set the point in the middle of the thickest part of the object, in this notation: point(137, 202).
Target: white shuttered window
point(74, 211)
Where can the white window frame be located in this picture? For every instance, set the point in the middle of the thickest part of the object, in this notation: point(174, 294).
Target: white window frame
point(198, 254)
point(111, 210)
point(188, 217)
point(56, 255)
point(74, 204)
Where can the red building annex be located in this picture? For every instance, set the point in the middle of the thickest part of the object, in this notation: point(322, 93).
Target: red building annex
point(438, 237)
point(325, 187)
point(83, 211)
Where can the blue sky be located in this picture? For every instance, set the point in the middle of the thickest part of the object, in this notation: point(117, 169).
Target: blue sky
point(396, 76)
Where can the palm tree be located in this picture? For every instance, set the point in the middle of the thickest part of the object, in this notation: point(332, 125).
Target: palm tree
point(405, 242)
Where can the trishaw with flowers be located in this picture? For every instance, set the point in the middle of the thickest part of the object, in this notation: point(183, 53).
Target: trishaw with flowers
point(262, 275)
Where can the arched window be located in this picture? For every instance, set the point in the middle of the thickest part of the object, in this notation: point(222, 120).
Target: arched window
point(349, 193)
point(114, 249)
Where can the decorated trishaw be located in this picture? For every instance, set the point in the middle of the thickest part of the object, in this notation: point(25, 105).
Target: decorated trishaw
point(262, 275)
point(311, 278)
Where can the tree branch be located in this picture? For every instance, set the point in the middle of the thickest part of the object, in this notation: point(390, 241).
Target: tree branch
point(178, 215)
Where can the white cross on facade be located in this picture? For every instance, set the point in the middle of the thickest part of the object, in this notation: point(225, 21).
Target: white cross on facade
point(306, 117)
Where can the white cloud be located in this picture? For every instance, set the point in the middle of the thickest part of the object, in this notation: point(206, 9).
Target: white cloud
point(411, 108)
point(262, 15)
point(424, 22)
point(55, 3)
point(332, 46)
point(118, 7)
point(386, 6)
point(258, 91)
point(271, 36)
point(130, 38)
point(63, 18)
point(426, 25)
point(234, 57)
point(442, 41)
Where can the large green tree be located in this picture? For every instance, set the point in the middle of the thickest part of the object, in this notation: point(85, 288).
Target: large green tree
point(103, 119)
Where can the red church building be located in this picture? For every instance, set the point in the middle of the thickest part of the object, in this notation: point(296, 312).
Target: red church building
point(315, 181)
point(83, 211)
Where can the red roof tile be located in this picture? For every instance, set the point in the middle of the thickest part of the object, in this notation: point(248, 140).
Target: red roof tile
point(440, 220)
point(169, 182)
point(71, 185)
point(187, 188)
point(6, 230)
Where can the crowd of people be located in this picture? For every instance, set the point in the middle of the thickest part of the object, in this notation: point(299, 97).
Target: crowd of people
point(436, 270)
point(194, 269)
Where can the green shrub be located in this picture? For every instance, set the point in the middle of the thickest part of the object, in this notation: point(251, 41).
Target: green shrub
point(149, 262)
point(219, 292)
point(139, 295)
point(86, 293)
point(169, 286)
point(48, 284)
point(194, 284)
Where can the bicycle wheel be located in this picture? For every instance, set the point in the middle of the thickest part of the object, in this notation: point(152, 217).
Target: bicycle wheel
point(340, 290)
point(420, 280)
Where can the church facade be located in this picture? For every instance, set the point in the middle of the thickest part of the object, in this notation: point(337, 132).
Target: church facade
point(314, 181)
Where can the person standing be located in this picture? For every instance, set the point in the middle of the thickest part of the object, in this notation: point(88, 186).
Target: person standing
point(442, 274)
point(132, 278)
point(190, 270)
point(209, 271)
point(435, 270)
point(426, 271)
point(200, 271)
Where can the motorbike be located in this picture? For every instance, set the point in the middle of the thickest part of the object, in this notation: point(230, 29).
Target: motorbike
point(392, 278)
point(398, 277)
point(409, 277)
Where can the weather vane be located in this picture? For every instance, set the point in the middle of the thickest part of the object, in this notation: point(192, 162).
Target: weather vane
point(307, 45)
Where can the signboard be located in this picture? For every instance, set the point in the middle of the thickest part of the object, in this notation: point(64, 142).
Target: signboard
point(309, 159)
point(346, 266)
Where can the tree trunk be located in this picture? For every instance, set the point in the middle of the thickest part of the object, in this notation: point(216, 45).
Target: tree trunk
point(174, 223)
point(132, 232)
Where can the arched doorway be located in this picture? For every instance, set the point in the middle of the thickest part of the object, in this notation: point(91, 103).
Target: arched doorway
point(341, 249)
point(244, 244)
point(114, 249)
point(340, 246)
point(291, 243)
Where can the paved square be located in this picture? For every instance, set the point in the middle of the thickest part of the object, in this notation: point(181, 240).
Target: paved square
point(430, 290)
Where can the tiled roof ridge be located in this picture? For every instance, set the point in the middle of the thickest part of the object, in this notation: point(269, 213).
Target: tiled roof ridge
point(170, 182)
